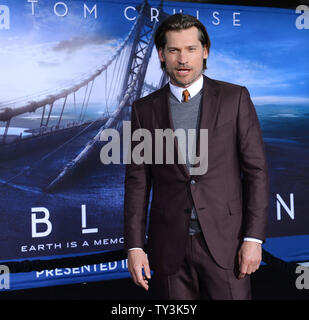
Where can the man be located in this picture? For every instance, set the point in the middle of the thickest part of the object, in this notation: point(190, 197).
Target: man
point(205, 230)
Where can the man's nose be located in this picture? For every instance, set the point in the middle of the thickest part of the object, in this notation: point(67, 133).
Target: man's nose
point(182, 57)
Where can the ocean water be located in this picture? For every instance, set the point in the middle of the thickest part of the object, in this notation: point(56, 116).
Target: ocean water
point(284, 123)
point(14, 131)
point(285, 130)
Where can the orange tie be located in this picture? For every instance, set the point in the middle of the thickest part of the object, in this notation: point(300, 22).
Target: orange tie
point(186, 95)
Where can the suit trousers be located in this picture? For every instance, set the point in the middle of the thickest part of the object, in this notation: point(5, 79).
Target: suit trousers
point(201, 278)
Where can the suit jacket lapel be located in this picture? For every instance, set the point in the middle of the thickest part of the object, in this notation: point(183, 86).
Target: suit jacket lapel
point(168, 123)
point(209, 108)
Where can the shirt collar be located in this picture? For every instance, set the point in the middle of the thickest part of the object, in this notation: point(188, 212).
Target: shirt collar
point(193, 89)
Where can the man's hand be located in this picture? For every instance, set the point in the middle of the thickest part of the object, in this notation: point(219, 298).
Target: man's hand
point(137, 260)
point(249, 257)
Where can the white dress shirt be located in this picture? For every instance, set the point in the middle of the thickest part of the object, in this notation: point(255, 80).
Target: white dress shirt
point(193, 89)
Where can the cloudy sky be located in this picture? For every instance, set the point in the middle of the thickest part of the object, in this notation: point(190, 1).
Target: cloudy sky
point(43, 53)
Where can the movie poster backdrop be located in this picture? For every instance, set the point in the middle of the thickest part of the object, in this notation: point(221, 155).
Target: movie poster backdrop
point(66, 71)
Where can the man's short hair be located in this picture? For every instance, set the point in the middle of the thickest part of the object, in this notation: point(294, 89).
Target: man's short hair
point(178, 22)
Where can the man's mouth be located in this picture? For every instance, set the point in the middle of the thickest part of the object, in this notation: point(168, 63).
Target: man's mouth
point(183, 71)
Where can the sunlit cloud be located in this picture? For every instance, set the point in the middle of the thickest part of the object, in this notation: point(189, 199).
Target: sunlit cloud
point(244, 71)
point(34, 68)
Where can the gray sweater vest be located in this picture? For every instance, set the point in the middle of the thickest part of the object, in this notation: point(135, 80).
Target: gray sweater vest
point(185, 115)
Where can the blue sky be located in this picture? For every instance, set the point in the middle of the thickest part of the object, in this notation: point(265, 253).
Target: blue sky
point(266, 52)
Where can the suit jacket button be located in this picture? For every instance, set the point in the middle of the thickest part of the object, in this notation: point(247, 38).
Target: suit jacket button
point(187, 210)
point(192, 181)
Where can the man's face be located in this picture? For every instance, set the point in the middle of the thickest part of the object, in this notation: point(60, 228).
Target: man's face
point(183, 56)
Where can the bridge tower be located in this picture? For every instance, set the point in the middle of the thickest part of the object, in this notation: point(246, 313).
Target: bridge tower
point(142, 47)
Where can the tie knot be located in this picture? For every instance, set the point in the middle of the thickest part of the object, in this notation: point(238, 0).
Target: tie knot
point(186, 95)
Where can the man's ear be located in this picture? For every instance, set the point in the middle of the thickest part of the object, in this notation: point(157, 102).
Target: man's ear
point(205, 52)
point(161, 55)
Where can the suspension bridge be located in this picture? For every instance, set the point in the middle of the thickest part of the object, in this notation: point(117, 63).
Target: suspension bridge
point(122, 79)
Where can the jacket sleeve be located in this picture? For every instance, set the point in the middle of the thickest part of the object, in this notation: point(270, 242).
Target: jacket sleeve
point(137, 190)
point(254, 169)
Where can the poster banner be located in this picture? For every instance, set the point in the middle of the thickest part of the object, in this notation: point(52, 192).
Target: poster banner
point(70, 69)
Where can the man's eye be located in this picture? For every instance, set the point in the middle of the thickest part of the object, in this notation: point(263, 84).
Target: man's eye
point(192, 49)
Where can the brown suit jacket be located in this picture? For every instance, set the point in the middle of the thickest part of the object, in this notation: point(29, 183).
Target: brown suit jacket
point(231, 198)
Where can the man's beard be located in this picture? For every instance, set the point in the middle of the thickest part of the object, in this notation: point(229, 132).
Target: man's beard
point(184, 83)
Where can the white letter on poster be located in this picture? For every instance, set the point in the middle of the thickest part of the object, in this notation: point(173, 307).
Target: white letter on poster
point(35, 221)
point(84, 224)
point(215, 15)
point(236, 22)
point(86, 9)
point(290, 210)
point(65, 9)
point(32, 5)
point(154, 14)
point(125, 13)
